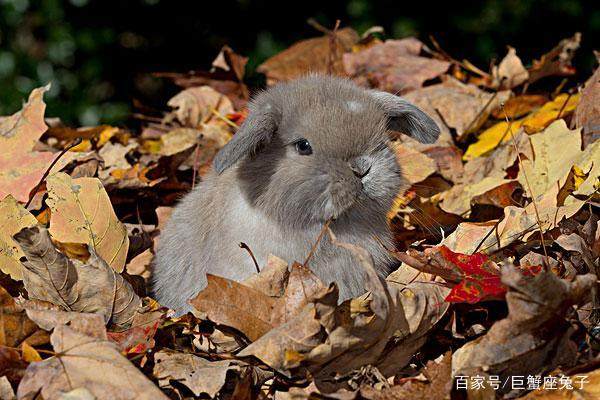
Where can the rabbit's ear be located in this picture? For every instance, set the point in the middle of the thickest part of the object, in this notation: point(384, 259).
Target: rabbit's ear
point(257, 130)
point(407, 118)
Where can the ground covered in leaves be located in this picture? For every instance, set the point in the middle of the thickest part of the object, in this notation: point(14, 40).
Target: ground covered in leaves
point(498, 239)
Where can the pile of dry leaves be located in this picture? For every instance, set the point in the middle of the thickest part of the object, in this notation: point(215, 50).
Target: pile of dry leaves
point(498, 239)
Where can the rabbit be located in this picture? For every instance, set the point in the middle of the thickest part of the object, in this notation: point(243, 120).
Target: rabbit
point(310, 150)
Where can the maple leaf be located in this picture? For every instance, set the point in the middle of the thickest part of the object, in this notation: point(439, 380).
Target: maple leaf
point(480, 280)
point(21, 168)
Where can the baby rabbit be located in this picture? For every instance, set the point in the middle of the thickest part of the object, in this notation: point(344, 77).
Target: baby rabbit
point(312, 149)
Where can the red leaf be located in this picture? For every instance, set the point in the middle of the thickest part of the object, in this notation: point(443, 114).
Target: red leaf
point(480, 280)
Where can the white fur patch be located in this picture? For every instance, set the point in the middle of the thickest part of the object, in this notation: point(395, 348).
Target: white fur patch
point(355, 106)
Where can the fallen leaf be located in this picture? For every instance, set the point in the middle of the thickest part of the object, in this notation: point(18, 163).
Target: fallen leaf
point(480, 280)
point(15, 326)
point(330, 340)
point(93, 287)
point(519, 106)
point(415, 165)
point(195, 106)
point(557, 62)
point(464, 108)
point(199, 375)
point(29, 354)
point(138, 337)
point(251, 311)
point(394, 66)
point(86, 362)
point(13, 218)
point(318, 55)
point(534, 338)
point(21, 168)
point(510, 72)
point(503, 131)
point(556, 150)
point(82, 213)
point(437, 384)
point(587, 114)
point(12, 366)
point(458, 199)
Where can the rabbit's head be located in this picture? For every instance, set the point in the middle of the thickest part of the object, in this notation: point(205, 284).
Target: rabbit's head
point(318, 148)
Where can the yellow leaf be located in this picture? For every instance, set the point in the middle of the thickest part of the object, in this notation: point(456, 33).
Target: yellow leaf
point(549, 112)
point(13, 218)
point(491, 138)
point(29, 353)
point(85, 145)
point(82, 213)
point(107, 133)
point(535, 122)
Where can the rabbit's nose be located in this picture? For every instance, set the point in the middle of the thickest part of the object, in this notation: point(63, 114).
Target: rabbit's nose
point(360, 166)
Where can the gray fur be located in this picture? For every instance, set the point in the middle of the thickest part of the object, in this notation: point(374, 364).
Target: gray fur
point(265, 194)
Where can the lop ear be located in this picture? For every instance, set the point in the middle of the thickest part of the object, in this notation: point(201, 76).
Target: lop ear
point(407, 118)
point(257, 130)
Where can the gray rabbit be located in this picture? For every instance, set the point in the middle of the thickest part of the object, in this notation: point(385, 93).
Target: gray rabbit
point(312, 149)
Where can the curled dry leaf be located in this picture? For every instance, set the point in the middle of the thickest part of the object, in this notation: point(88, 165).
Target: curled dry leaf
point(587, 114)
point(394, 66)
point(199, 375)
point(82, 213)
point(86, 362)
point(557, 62)
point(93, 287)
point(534, 338)
point(250, 310)
point(330, 339)
point(510, 72)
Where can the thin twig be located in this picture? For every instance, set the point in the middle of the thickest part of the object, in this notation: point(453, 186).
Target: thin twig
point(537, 214)
point(479, 114)
point(487, 235)
point(316, 244)
point(245, 247)
point(74, 143)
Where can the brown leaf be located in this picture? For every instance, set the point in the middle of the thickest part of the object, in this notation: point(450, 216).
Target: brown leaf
point(557, 62)
point(253, 312)
point(437, 384)
point(534, 338)
point(195, 106)
point(92, 287)
point(49, 316)
point(331, 339)
point(510, 72)
point(15, 326)
point(587, 114)
point(82, 213)
point(236, 305)
point(199, 375)
point(318, 54)
point(518, 106)
point(393, 66)
point(12, 365)
point(86, 362)
point(463, 107)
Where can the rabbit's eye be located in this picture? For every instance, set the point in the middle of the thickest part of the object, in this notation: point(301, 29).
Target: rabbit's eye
point(303, 147)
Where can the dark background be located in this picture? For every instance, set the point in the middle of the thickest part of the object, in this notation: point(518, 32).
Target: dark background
point(98, 53)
